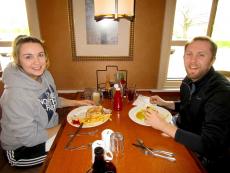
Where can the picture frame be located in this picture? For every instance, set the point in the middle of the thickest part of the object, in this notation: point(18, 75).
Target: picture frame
point(88, 42)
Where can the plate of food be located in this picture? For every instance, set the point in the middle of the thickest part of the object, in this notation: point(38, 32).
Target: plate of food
point(137, 114)
point(90, 116)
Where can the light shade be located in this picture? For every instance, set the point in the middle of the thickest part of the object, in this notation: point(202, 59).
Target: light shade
point(114, 9)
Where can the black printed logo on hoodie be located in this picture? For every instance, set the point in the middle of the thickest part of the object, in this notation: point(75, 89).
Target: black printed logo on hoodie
point(48, 101)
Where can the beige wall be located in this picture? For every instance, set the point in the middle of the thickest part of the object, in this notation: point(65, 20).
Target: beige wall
point(71, 75)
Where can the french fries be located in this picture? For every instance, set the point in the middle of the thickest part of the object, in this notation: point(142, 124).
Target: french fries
point(94, 115)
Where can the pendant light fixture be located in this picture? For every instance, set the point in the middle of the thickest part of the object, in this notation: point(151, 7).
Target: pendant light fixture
point(114, 9)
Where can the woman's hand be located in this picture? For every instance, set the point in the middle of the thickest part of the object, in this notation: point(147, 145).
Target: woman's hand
point(68, 102)
point(85, 102)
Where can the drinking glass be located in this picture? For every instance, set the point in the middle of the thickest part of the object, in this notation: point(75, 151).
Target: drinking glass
point(117, 145)
point(130, 93)
point(88, 93)
point(96, 97)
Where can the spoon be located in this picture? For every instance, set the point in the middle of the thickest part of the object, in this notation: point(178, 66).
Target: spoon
point(81, 147)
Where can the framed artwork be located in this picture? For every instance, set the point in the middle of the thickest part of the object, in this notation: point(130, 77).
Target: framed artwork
point(103, 40)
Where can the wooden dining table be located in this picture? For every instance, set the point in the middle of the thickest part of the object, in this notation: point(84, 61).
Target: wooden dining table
point(134, 160)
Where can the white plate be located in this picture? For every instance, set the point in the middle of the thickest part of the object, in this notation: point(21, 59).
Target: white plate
point(134, 110)
point(80, 113)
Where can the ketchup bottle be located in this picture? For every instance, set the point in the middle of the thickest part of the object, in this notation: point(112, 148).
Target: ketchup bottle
point(117, 99)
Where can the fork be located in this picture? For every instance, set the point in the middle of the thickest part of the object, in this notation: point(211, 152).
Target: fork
point(91, 133)
point(80, 147)
point(170, 158)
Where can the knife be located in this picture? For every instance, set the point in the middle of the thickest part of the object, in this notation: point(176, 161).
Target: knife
point(74, 135)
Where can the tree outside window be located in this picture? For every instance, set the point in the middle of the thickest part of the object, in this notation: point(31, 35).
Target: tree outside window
point(13, 22)
point(196, 18)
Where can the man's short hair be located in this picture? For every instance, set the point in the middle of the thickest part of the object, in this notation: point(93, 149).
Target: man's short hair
point(213, 45)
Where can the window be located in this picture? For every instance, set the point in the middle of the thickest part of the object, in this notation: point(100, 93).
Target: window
point(16, 17)
point(185, 20)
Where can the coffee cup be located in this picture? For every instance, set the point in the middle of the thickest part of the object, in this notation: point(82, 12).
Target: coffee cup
point(105, 135)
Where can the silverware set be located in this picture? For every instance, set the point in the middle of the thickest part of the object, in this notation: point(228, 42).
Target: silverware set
point(139, 143)
point(78, 133)
point(156, 153)
point(80, 147)
point(90, 133)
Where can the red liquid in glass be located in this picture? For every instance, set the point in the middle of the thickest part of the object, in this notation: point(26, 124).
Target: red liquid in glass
point(130, 95)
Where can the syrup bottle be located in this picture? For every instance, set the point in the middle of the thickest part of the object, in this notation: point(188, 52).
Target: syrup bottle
point(117, 99)
point(100, 165)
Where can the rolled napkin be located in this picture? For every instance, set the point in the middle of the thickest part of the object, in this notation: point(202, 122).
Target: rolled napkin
point(142, 101)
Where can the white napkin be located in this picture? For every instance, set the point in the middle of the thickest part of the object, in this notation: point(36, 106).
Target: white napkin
point(49, 142)
point(142, 101)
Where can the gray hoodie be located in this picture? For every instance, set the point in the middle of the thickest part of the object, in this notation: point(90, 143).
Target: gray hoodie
point(28, 108)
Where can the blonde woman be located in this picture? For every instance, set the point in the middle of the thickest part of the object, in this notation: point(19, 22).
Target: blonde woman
point(29, 102)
